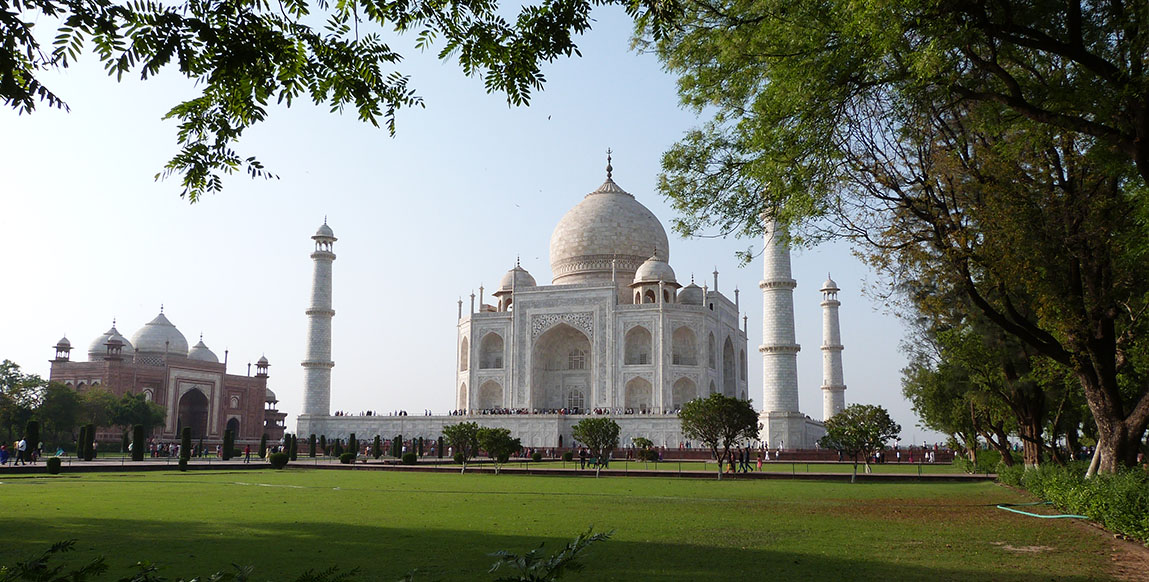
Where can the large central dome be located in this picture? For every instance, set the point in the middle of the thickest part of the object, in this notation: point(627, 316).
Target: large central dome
point(609, 224)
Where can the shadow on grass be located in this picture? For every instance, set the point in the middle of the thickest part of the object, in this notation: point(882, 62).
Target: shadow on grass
point(387, 552)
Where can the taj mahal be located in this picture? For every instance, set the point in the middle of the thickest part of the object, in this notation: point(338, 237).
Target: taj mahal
point(615, 333)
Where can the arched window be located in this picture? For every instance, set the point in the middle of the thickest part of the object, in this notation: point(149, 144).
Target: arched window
point(491, 352)
point(639, 394)
point(729, 379)
point(490, 395)
point(576, 359)
point(710, 352)
point(649, 297)
point(464, 355)
point(684, 350)
point(742, 358)
point(234, 399)
point(684, 391)
point(576, 399)
point(713, 388)
point(637, 348)
point(149, 396)
point(665, 296)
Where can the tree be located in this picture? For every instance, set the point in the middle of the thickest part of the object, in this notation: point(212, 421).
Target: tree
point(377, 447)
point(988, 146)
point(293, 450)
point(311, 445)
point(97, 406)
point(599, 435)
point(719, 422)
point(464, 437)
point(59, 410)
point(247, 57)
point(133, 409)
point(263, 446)
point(20, 395)
point(859, 430)
point(186, 443)
point(498, 444)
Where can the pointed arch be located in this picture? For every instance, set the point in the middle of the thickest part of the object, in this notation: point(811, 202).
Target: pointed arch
point(491, 351)
point(684, 347)
point(729, 371)
point(711, 354)
point(713, 388)
point(637, 346)
point(193, 412)
point(683, 391)
point(490, 395)
point(560, 361)
point(639, 394)
point(464, 355)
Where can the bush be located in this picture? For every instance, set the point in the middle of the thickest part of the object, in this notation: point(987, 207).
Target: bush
point(648, 455)
point(53, 465)
point(988, 461)
point(279, 460)
point(410, 458)
point(1119, 502)
point(568, 456)
point(347, 458)
point(459, 458)
point(536, 456)
point(183, 463)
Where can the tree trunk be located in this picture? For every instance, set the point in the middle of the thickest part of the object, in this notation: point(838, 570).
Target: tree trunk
point(1030, 431)
point(1118, 435)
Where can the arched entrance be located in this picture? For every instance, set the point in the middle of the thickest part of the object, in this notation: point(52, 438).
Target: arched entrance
point(193, 413)
point(560, 364)
point(233, 426)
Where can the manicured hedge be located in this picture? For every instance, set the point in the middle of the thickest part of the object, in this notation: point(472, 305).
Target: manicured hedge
point(1119, 502)
point(278, 460)
point(347, 458)
point(53, 465)
point(410, 458)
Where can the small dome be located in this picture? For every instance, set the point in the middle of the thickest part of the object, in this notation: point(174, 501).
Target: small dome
point(262, 361)
point(159, 336)
point(270, 397)
point(324, 231)
point(516, 277)
point(690, 295)
point(829, 285)
point(99, 346)
point(64, 343)
point(653, 271)
point(201, 352)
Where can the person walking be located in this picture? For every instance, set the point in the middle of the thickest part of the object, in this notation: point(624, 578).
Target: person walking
point(247, 453)
point(21, 452)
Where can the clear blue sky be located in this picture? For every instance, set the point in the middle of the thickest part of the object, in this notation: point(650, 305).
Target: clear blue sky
point(422, 218)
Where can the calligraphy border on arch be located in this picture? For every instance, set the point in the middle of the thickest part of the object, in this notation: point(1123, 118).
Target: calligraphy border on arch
point(582, 321)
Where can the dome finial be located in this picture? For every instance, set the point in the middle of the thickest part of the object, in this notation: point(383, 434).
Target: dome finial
point(324, 219)
point(609, 168)
point(161, 308)
point(517, 265)
point(113, 322)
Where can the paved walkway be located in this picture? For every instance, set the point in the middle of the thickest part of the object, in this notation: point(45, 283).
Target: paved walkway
point(665, 469)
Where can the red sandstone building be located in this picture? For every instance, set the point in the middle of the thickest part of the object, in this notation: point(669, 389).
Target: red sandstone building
point(192, 385)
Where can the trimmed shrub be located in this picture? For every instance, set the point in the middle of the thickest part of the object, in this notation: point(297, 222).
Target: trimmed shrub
point(439, 448)
point(410, 458)
point(32, 434)
point(568, 456)
point(183, 463)
point(228, 444)
point(53, 464)
point(323, 444)
point(347, 458)
point(124, 443)
point(278, 460)
point(420, 446)
point(536, 456)
point(89, 444)
point(397, 446)
point(353, 444)
point(185, 444)
point(1119, 502)
point(263, 446)
point(311, 446)
point(294, 450)
point(377, 447)
point(139, 443)
point(459, 458)
point(80, 440)
point(339, 448)
point(648, 455)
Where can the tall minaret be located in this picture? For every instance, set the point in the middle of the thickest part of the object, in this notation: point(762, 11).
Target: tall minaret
point(779, 348)
point(833, 388)
point(317, 366)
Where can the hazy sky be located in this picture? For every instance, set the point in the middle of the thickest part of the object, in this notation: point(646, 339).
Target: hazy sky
point(423, 219)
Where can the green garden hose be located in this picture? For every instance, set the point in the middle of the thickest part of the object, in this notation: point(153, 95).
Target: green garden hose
point(1010, 507)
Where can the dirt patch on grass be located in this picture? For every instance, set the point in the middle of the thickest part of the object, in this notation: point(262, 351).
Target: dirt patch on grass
point(1129, 560)
point(1022, 549)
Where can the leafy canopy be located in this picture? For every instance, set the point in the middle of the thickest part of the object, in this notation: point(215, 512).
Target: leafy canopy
point(719, 422)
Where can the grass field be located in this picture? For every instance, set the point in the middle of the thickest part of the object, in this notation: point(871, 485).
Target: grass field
point(444, 525)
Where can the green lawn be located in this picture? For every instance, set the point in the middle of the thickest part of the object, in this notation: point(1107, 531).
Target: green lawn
point(387, 523)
